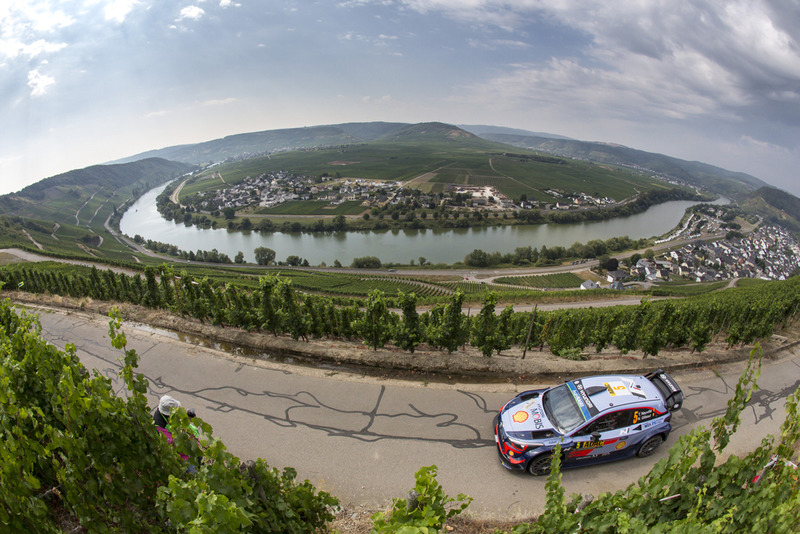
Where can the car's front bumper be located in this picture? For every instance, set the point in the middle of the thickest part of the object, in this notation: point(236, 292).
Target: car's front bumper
point(506, 452)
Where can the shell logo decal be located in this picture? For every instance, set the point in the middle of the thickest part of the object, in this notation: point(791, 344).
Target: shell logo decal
point(621, 445)
point(520, 417)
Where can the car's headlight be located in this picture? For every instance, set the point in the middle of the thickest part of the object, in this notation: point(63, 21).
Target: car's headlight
point(524, 444)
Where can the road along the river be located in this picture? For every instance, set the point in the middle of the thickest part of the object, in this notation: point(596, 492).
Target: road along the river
point(363, 439)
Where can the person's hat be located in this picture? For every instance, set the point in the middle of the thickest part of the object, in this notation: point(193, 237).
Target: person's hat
point(166, 404)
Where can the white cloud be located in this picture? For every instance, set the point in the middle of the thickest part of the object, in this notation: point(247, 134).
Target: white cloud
point(12, 48)
point(191, 13)
point(39, 82)
point(229, 3)
point(26, 28)
point(36, 16)
point(117, 10)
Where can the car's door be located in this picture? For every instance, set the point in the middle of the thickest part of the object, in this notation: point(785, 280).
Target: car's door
point(602, 438)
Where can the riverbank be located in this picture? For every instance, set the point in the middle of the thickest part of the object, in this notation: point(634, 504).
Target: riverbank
point(436, 246)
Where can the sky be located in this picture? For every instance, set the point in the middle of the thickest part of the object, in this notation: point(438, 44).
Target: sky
point(84, 82)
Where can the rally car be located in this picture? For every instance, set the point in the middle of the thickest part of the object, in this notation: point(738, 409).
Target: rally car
point(595, 419)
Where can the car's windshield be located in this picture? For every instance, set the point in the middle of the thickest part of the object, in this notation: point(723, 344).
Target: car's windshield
point(561, 409)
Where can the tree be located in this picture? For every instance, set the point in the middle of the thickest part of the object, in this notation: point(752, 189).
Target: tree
point(339, 223)
point(264, 255)
point(477, 258)
point(239, 257)
point(229, 213)
point(608, 263)
point(366, 262)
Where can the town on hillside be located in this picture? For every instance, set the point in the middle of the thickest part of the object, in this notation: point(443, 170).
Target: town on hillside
point(769, 253)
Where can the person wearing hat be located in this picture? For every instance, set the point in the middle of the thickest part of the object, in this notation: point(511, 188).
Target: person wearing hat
point(165, 406)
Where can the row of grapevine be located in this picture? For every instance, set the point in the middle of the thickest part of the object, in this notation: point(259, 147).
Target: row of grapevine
point(467, 287)
point(545, 281)
point(736, 316)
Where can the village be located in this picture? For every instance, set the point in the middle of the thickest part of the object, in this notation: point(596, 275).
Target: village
point(769, 253)
point(269, 190)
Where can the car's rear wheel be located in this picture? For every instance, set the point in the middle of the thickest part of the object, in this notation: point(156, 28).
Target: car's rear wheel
point(540, 466)
point(650, 446)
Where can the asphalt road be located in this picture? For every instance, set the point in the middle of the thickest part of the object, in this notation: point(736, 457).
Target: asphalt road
point(363, 439)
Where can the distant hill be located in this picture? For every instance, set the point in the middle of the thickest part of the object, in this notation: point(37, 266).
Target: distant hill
point(435, 157)
point(775, 206)
point(482, 130)
point(735, 185)
point(65, 192)
point(432, 131)
point(253, 144)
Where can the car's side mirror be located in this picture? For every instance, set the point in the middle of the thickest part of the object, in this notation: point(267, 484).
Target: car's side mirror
point(595, 436)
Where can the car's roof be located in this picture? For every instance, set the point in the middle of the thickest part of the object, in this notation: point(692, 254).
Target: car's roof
point(609, 392)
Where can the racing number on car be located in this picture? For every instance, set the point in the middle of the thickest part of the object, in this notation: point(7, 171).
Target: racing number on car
point(642, 415)
point(592, 444)
point(615, 387)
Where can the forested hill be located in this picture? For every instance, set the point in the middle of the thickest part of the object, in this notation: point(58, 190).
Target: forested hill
point(736, 185)
point(70, 189)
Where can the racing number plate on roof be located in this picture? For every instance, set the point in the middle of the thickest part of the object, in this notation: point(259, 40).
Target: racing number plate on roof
point(587, 407)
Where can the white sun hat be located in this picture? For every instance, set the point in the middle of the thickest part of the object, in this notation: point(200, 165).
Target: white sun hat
point(166, 404)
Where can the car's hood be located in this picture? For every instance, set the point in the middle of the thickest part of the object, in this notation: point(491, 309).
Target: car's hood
point(527, 417)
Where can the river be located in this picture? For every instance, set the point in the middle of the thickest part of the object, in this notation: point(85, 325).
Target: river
point(396, 246)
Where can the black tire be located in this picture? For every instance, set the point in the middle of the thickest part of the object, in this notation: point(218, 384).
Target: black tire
point(650, 446)
point(540, 465)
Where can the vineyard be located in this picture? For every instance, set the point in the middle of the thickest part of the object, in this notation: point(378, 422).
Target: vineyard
point(74, 452)
point(77, 455)
point(735, 316)
point(545, 281)
point(359, 285)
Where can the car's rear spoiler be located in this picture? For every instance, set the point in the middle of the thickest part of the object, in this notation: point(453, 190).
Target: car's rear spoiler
point(673, 396)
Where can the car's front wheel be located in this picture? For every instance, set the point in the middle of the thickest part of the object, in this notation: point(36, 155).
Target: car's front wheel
point(540, 465)
point(650, 446)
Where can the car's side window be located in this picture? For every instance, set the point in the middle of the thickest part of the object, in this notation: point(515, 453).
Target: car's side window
point(612, 421)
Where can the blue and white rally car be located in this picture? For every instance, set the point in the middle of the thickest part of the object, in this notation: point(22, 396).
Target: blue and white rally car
point(595, 419)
